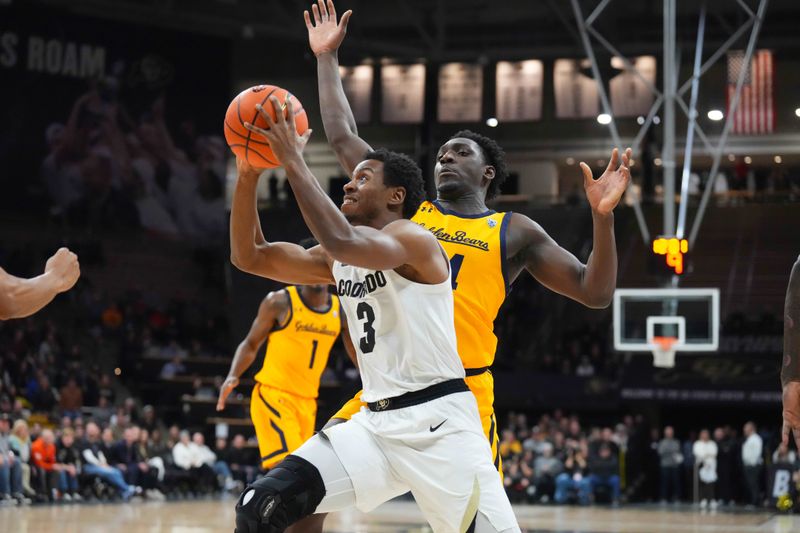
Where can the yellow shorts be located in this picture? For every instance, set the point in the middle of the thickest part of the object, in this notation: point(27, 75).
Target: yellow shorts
point(282, 420)
point(482, 386)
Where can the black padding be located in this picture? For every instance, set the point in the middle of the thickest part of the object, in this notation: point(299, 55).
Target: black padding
point(290, 491)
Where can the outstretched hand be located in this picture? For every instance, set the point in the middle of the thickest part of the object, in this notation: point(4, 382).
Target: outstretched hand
point(281, 132)
point(225, 390)
point(325, 34)
point(791, 413)
point(604, 192)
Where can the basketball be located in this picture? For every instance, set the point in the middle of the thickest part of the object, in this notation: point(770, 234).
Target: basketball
point(251, 146)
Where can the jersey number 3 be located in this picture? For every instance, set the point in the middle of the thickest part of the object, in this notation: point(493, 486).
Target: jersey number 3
point(367, 314)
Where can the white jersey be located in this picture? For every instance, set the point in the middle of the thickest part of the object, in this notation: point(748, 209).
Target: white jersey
point(403, 331)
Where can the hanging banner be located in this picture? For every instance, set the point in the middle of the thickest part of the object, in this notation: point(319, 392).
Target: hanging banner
point(403, 91)
point(357, 83)
point(576, 93)
point(630, 95)
point(460, 92)
point(756, 111)
point(519, 90)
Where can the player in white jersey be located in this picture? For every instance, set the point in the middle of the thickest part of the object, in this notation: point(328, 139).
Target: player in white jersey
point(421, 431)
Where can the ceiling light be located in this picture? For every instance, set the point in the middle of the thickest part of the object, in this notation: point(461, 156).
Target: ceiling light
point(778, 159)
point(492, 122)
point(715, 115)
point(657, 161)
point(604, 118)
point(748, 159)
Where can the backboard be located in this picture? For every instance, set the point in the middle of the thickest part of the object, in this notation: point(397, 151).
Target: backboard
point(690, 316)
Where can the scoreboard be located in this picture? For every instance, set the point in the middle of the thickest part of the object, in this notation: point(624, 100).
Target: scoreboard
point(672, 251)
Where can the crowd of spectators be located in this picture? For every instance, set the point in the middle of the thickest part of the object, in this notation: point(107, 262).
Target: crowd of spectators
point(112, 166)
point(559, 459)
point(78, 459)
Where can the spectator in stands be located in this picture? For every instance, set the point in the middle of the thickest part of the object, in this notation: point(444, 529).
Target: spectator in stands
point(172, 368)
point(705, 455)
point(509, 444)
point(10, 468)
point(209, 458)
point(670, 459)
point(150, 421)
point(727, 465)
point(585, 369)
point(20, 442)
point(241, 461)
point(44, 399)
point(148, 453)
point(43, 454)
point(68, 456)
point(604, 472)
point(106, 390)
point(71, 401)
point(546, 468)
point(95, 462)
point(189, 457)
point(574, 478)
point(752, 451)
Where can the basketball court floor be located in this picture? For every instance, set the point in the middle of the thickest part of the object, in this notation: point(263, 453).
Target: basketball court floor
point(394, 517)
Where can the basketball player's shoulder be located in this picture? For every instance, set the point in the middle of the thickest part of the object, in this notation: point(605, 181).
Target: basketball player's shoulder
point(523, 232)
point(276, 301)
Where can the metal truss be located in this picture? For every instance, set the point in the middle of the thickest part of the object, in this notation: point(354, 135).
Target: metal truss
point(669, 98)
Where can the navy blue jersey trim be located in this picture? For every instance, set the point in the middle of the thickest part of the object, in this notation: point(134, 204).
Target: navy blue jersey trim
point(503, 252)
point(461, 215)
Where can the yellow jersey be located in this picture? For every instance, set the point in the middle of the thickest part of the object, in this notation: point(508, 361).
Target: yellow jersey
point(475, 245)
point(298, 350)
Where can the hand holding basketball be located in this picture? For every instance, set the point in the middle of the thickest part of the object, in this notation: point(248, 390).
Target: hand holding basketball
point(251, 148)
point(281, 132)
point(604, 192)
point(325, 35)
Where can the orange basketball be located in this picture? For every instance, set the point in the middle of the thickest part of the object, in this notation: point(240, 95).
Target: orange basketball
point(252, 146)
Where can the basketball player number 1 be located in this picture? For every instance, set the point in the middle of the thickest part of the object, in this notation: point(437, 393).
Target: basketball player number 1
point(455, 268)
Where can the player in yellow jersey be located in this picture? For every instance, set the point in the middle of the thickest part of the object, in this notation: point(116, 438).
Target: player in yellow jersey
point(300, 325)
point(487, 250)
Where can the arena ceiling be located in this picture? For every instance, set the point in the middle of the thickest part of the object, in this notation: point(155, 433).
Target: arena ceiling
point(446, 30)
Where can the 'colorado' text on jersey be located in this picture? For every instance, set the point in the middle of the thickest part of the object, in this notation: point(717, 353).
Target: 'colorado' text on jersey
point(403, 331)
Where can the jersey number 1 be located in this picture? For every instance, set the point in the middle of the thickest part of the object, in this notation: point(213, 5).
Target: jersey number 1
point(314, 345)
point(366, 313)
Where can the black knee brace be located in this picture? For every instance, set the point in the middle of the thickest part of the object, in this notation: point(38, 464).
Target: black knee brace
point(290, 491)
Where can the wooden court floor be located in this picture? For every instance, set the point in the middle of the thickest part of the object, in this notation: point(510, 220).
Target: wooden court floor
point(203, 516)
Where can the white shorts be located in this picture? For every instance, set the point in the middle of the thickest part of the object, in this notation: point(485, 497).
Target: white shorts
point(436, 449)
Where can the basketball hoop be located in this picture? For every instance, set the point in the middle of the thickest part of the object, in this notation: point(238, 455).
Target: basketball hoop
point(664, 352)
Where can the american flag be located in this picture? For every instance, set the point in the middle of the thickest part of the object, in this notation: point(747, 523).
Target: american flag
point(755, 113)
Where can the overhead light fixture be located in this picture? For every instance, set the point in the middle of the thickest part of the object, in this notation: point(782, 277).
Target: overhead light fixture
point(604, 118)
point(748, 159)
point(656, 120)
point(731, 157)
point(492, 122)
point(657, 161)
point(715, 115)
point(640, 120)
point(570, 160)
point(797, 111)
point(778, 159)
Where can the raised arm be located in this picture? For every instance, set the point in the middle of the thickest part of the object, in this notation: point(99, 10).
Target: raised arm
point(250, 252)
point(272, 309)
point(532, 249)
point(325, 36)
point(20, 297)
point(790, 369)
point(400, 243)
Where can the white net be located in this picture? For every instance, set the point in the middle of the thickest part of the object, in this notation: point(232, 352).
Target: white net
point(664, 352)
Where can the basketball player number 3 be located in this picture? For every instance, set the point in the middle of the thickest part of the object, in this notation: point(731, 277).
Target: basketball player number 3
point(366, 313)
